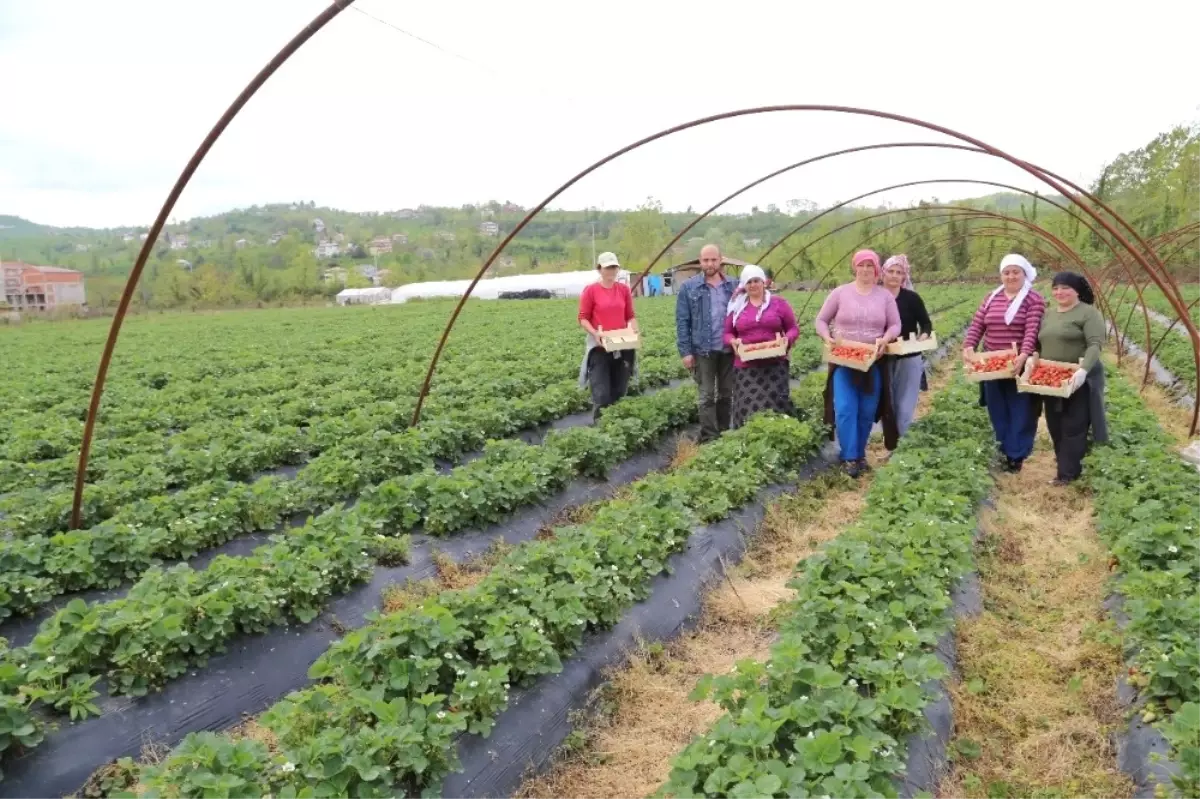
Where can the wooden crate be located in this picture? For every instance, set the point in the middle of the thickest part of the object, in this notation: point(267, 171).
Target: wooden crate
point(862, 366)
point(623, 339)
point(777, 350)
point(1063, 391)
point(911, 345)
point(1004, 374)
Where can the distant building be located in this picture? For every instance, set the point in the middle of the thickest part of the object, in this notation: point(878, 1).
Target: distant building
point(335, 274)
point(184, 264)
point(399, 238)
point(240, 243)
point(127, 237)
point(445, 235)
point(327, 249)
point(143, 237)
point(748, 243)
point(511, 208)
point(380, 245)
point(179, 241)
point(319, 225)
point(82, 248)
point(41, 288)
point(275, 238)
point(405, 213)
point(489, 229)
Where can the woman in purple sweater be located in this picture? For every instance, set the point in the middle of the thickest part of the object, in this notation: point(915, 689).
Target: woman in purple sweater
point(754, 316)
point(865, 312)
point(1012, 314)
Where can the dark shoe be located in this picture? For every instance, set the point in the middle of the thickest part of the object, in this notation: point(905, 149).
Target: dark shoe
point(863, 466)
point(1059, 482)
point(1015, 464)
point(851, 468)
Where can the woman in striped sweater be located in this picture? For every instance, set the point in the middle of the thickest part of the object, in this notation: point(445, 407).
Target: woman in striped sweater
point(1012, 314)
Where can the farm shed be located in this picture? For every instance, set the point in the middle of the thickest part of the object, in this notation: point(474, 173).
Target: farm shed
point(372, 296)
point(559, 284)
point(678, 273)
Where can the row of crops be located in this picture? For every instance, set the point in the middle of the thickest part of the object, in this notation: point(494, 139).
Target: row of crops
point(390, 698)
point(1175, 350)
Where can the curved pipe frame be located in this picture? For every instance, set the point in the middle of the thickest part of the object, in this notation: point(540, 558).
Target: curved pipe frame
point(1055, 182)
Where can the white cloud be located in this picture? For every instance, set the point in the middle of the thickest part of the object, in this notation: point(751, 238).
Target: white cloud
point(112, 98)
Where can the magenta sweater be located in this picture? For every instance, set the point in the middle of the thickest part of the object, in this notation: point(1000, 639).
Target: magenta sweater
point(777, 318)
point(858, 318)
point(989, 325)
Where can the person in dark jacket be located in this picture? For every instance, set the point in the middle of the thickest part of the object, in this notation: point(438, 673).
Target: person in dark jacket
point(700, 309)
point(906, 371)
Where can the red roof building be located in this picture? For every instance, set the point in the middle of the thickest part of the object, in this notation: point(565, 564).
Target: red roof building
point(41, 288)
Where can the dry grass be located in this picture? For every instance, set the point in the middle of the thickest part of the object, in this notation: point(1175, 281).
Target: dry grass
point(1174, 418)
point(450, 575)
point(645, 716)
point(642, 717)
point(250, 729)
point(685, 449)
point(1037, 689)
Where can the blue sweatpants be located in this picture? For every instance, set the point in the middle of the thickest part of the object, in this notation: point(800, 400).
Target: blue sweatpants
point(854, 411)
point(1013, 418)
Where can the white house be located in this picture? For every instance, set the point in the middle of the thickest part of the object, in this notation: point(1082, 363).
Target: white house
point(489, 228)
point(327, 249)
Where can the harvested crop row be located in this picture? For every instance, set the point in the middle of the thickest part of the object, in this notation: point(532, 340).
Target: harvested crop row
point(398, 691)
point(829, 711)
point(1145, 499)
point(175, 619)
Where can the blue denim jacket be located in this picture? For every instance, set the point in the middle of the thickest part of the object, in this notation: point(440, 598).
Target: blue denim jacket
point(693, 317)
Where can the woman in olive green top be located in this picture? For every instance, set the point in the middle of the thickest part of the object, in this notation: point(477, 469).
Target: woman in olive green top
point(1071, 329)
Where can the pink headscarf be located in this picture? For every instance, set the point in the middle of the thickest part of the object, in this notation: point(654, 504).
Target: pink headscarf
point(867, 255)
point(902, 262)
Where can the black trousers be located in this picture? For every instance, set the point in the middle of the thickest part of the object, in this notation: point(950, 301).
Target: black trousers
point(1068, 421)
point(608, 377)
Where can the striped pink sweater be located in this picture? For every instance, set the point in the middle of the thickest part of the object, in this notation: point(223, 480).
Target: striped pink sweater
point(989, 325)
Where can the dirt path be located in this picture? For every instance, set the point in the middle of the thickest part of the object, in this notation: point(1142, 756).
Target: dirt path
point(1036, 700)
point(643, 716)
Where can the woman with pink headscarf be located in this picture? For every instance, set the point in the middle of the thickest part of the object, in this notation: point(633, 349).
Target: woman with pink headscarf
point(865, 312)
point(906, 371)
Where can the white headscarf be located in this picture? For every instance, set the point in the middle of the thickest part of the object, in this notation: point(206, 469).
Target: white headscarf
point(1012, 259)
point(741, 299)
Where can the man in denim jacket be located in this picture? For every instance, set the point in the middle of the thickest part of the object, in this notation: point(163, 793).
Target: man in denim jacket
point(700, 309)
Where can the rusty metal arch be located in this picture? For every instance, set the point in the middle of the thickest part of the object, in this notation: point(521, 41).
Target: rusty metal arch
point(831, 209)
point(336, 8)
point(967, 212)
point(239, 102)
point(1055, 183)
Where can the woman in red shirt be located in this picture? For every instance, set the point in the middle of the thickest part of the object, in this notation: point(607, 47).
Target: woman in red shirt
point(606, 305)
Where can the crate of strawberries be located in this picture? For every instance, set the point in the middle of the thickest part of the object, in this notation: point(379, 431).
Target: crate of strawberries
point(774, 348)
point(1050, 378)
point(853, 354)
point(992, 365)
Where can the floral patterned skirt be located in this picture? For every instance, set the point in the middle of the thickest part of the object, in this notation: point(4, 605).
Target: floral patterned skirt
point(760, 388)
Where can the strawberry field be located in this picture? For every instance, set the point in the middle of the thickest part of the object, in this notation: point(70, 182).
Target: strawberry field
point(254, 476)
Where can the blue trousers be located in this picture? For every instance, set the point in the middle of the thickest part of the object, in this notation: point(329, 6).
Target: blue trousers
point(1013, 417)
point(854, 411)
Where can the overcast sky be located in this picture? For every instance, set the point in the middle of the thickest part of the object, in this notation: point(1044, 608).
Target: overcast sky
point(104, 102)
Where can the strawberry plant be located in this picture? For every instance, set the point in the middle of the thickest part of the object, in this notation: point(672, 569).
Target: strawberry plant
point(1145, 499)
point(445, 665)
point(828, 711)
